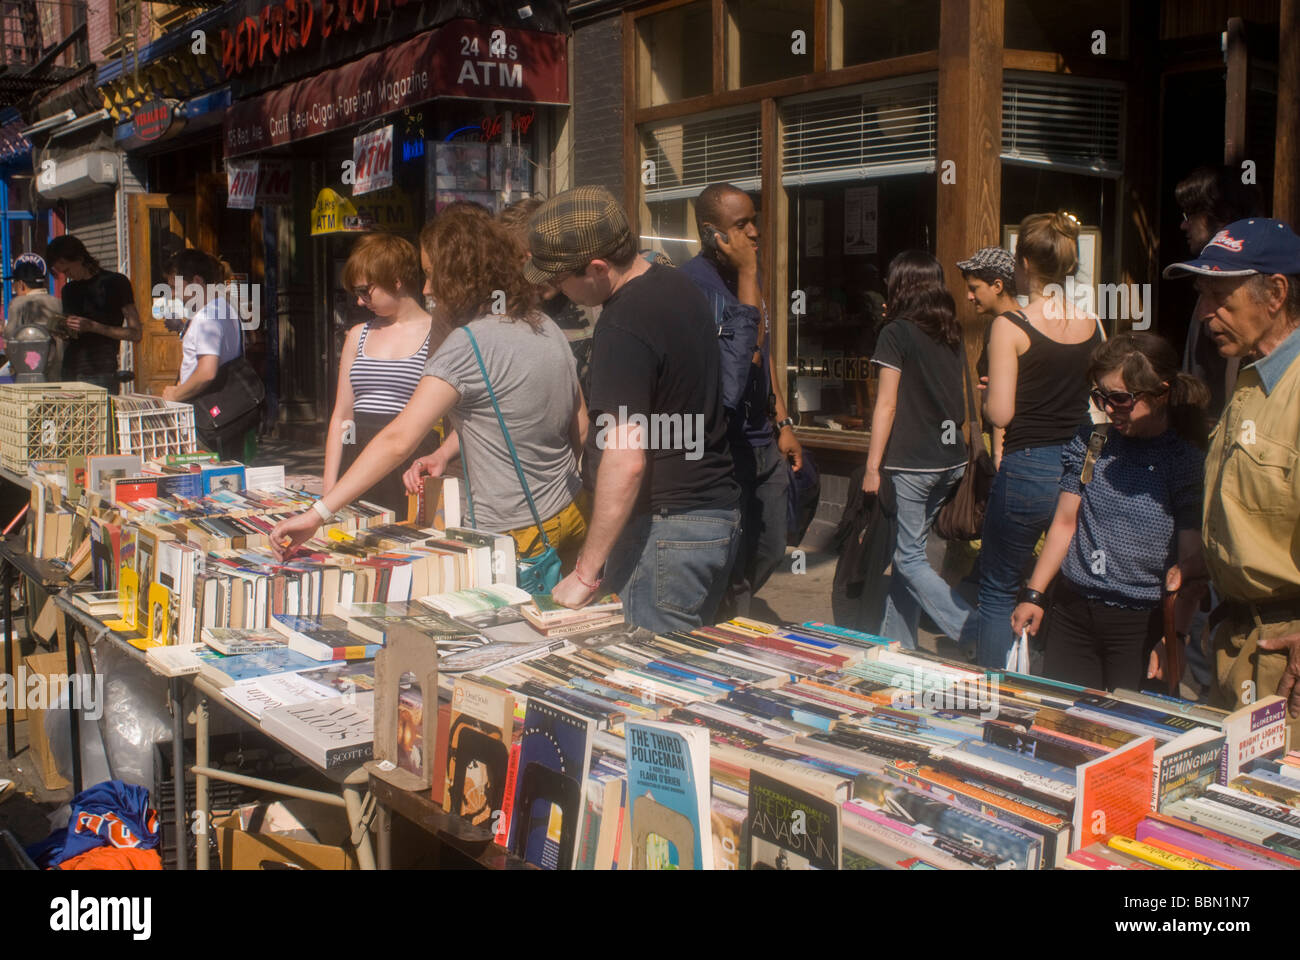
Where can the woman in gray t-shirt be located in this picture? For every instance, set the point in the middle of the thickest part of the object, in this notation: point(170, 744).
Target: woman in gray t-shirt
point(473, 270)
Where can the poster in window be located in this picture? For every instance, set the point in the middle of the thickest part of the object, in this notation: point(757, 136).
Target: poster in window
point(861, 209)
point(461, 166)
point(512, 174)
point(814, 228)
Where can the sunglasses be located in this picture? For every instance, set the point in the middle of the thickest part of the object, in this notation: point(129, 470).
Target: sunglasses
point(1119, 399)
point(363, 292)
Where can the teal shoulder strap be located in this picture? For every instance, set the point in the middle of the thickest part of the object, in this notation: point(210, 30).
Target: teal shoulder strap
point(519, 470)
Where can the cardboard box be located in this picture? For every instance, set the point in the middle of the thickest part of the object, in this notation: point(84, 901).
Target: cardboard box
point(49, 665)
point(244, 850)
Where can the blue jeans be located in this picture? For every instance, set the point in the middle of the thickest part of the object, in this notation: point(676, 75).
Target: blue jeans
point(671, 569)
point(915, 586)
point(765, 501)
point(1020, 509)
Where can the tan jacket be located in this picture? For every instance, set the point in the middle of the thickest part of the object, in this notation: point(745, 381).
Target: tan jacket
point(1251, 526)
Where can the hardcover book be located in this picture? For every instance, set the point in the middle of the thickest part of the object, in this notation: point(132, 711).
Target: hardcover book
point(330, 733)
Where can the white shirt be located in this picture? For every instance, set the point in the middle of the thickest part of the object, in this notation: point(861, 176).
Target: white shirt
point(214, 332)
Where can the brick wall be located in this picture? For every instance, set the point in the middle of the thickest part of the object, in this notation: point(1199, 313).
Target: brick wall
point(99, 29)
point(598, 104)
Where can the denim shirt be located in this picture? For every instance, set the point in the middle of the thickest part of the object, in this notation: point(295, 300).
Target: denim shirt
point(745, 385)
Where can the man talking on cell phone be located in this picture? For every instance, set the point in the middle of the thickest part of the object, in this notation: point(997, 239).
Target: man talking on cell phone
point(760, 434)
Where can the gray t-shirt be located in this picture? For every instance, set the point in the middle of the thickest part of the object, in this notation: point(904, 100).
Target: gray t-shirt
point(533, 375)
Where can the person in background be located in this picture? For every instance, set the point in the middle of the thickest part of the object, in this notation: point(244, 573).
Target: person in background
point(726, 271)
point(210, 339)
point(1248, 278)
point(1211, 198)
point(665, 521)
point(990, 276)
point(32, 305)
point(467, 259)
point(382, 359)
point(1148, 476)
point(916, 437)
point(100, 309)
point(1038, 392)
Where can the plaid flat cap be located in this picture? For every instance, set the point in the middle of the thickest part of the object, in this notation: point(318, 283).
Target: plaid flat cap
point(993, 259)
point(571, 229)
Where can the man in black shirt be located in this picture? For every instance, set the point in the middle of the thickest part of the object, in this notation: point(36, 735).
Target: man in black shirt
point(665, 522)
point(100, 309)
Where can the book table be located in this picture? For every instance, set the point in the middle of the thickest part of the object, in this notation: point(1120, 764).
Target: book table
point(352, 780)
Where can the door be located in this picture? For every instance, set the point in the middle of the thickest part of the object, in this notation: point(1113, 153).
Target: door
point(161, 227)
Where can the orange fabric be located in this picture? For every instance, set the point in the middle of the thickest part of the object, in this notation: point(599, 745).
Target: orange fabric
point(114, 858)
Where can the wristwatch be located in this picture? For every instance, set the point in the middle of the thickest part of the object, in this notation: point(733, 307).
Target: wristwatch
point(782, 424)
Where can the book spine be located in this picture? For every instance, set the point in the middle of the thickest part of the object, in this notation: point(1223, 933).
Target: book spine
point(508, 797)
point(1150, 854)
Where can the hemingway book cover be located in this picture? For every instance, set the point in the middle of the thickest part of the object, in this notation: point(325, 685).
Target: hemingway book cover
point(668, 780)
point(789, 828)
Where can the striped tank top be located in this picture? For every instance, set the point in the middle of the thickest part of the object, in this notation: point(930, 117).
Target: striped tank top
point(385, 386)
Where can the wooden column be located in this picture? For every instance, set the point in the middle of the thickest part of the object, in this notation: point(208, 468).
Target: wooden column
point(970, 136)
point(1234, 113)
point(1286, 166)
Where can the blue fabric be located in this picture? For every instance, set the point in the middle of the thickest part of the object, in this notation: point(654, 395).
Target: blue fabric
point(915, 586)
point(764, 478)
point(745, 387)
point(1021, 504)
point(1272, 367)
point(1154, 485)
point(111, 813)
point(671, 569)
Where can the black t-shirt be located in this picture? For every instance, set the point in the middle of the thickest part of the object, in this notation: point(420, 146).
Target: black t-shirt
point(927, 433)
point(100, 298)
point(655, 356)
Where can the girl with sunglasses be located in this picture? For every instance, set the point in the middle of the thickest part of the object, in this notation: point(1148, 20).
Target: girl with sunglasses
point(382, 359)
point(1128, 519)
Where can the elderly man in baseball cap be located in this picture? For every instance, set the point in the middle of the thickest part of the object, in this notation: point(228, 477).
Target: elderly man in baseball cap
point(665, 522)
point(1248, 278)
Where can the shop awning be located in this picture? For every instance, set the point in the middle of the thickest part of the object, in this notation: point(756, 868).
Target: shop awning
point(512, 65)
point(13, 145)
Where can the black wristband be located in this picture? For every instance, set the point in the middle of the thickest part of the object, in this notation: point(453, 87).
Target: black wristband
point(1030, 595)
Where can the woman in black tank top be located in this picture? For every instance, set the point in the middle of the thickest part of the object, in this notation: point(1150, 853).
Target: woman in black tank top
point(1038, 391)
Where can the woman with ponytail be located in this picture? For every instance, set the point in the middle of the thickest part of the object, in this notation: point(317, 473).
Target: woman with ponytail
point(1037, 391)
point(1128, 520)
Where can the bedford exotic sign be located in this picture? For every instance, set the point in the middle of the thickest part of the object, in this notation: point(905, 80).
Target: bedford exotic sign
point(281, 28)
point(462, 59)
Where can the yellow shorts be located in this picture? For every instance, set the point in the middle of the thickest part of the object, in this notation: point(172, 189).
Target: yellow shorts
point(567, 531)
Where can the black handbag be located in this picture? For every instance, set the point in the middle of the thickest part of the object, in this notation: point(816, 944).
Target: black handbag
point(230, 400)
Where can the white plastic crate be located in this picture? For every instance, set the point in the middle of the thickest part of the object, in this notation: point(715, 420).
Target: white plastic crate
point(51, 421)
point(152, 427)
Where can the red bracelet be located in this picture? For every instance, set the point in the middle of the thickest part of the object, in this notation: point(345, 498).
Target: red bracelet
point(590, 586)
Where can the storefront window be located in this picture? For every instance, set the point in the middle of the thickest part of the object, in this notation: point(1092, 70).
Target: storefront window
point(858, 172)
point(867, 30)
point(768, 40)
point(675, 57)
point(678, 160)
point(1070, 29)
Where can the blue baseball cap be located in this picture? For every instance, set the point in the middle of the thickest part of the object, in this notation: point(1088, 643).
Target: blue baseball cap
point(1242, 249)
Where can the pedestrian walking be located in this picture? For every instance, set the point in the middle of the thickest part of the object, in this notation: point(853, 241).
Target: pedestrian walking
point(916, 439)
